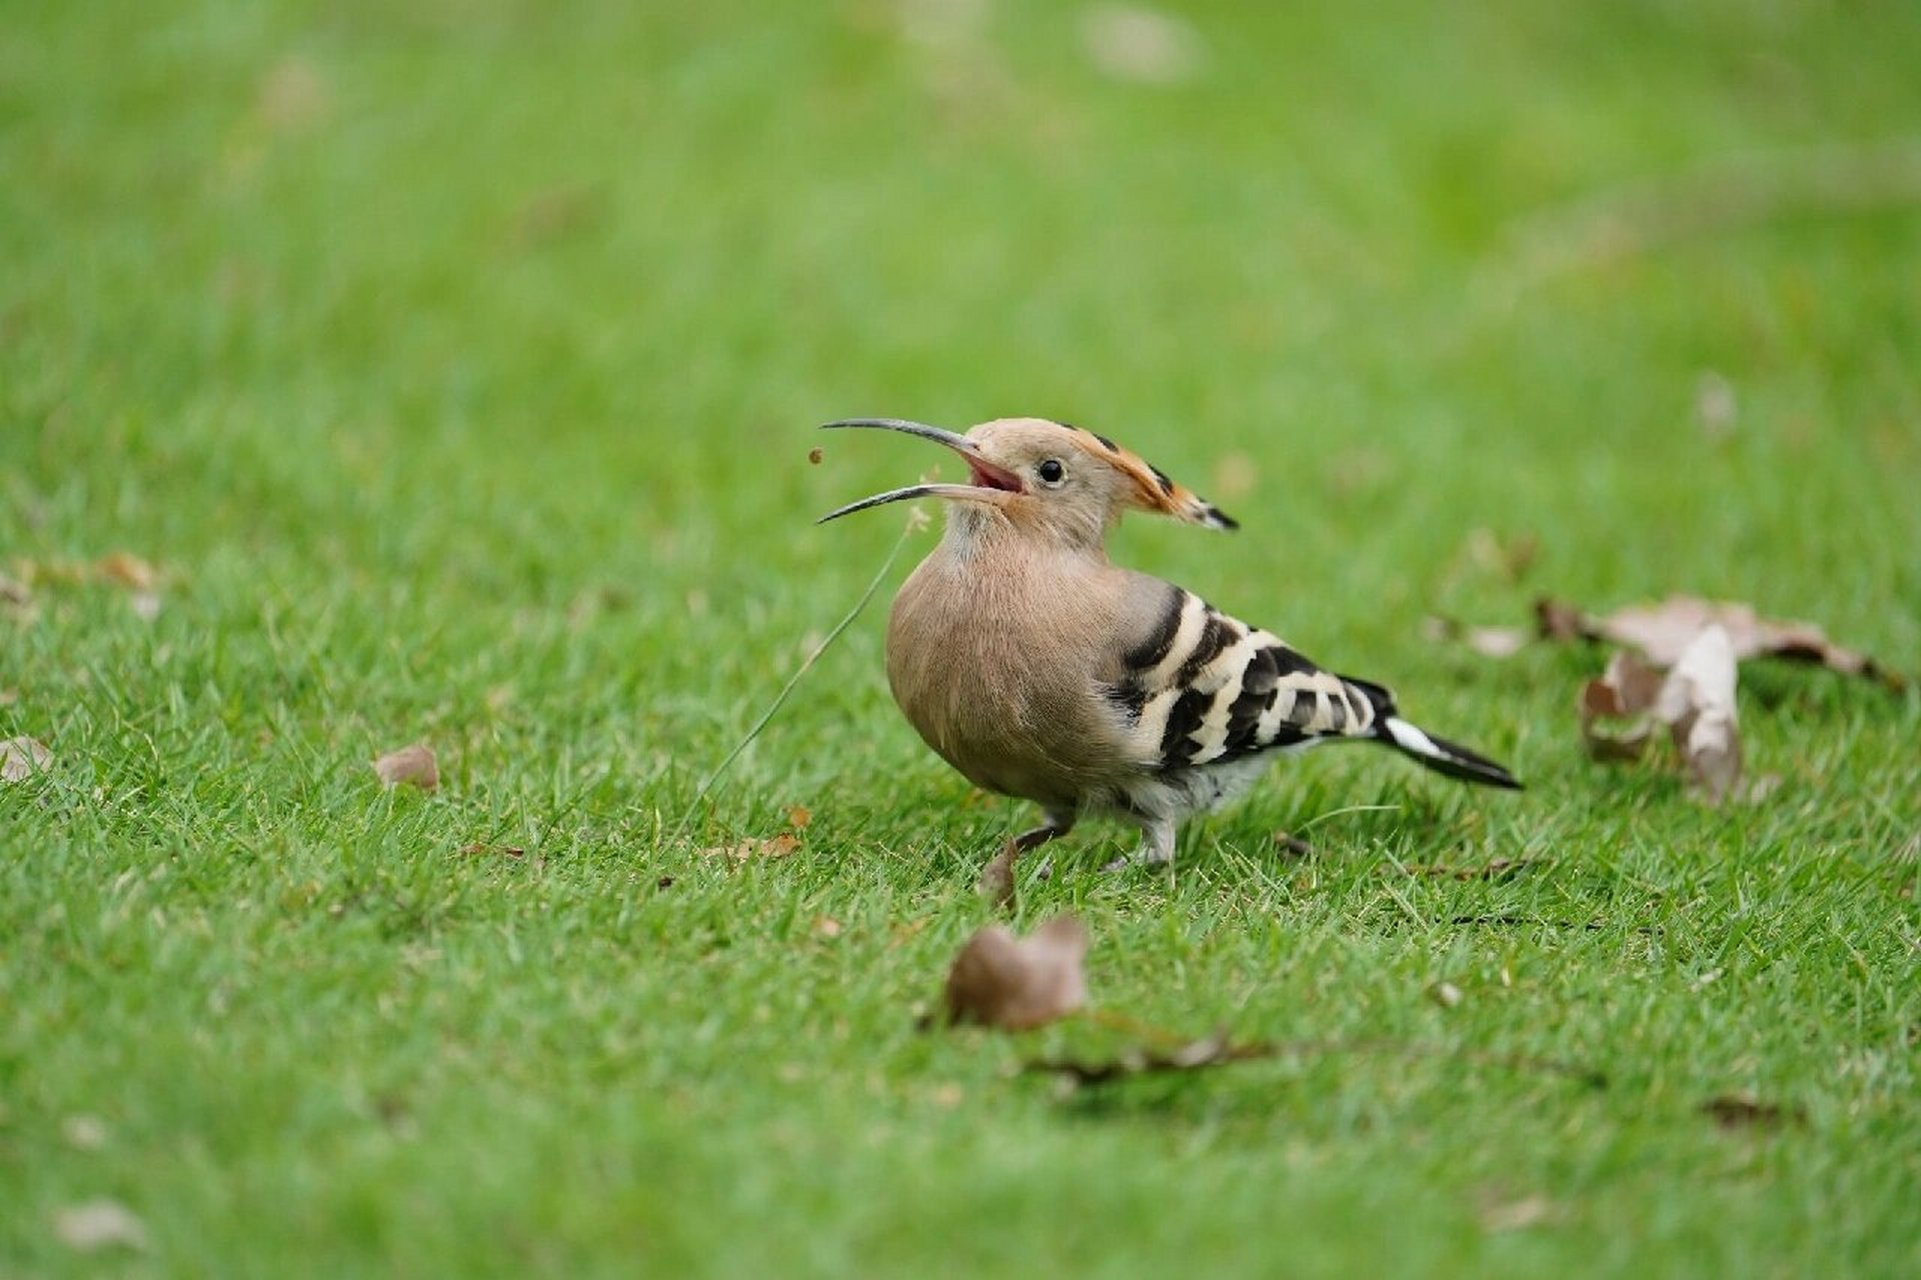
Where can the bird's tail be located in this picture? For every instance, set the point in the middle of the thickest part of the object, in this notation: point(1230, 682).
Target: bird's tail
point(1426, 750)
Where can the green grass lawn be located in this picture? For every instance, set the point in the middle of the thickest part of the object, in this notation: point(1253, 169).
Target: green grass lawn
point(457, 363)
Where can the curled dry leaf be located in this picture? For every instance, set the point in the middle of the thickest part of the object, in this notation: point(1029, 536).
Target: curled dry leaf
point(128, 570)
point(1489, 642)
point(1744, 1110)
point(413, 766)
point(996, 882)
point(480, 848)
point(1017, 984)
point(21, 758)
point(1497, 869)
point(1498, 1215)
point(814, 455)
point(1695, 700)
point(1132, 42)
point(1290, 845)
point(752, 847)
point(1697, 705)
point(1625, 691)
point(1663, 631)
point(94, 1225)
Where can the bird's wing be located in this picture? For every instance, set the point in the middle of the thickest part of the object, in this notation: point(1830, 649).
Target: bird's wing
point(1199, 687)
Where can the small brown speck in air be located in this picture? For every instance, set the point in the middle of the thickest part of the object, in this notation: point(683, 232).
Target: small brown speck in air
point(814, 455)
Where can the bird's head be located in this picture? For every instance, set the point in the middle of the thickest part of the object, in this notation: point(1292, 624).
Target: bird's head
point(1045, 478)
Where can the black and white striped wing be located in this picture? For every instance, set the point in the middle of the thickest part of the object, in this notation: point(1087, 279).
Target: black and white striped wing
point(1204, 688)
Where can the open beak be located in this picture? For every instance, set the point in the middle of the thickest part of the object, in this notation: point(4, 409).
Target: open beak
point(986, 482)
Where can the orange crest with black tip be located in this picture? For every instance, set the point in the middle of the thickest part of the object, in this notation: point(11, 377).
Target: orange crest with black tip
point(1153, 489)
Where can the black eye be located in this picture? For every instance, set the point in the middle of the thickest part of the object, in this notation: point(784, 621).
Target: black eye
point(1051, 471)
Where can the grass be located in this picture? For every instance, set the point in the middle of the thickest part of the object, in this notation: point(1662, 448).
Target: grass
point(456, 365)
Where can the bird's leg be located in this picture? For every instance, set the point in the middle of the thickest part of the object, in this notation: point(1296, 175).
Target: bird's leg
point(1054, 824)
point(1157, 846)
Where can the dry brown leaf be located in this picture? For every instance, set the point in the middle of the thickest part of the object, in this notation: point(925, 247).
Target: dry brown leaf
point(21, 758)
point(1627, 690)
point(1489, 642)
point(99, 1224)
point(814, 455)
point(1208, 1051)
point(1744, 1110)
point(1133, 42)
point(1695, 700)
point(128, 570)
point(996, 883)
point(84, 1132)
point(1662, 632)
point(799, 816)
point(1496, 869)
point(1517, 1215)
point(1235, 476)
point(1697, 705)
point(1508, 558)
point(752, 847)
point(1292, 846)
point(413, 766)
point(504, 850)
point(1017, 984)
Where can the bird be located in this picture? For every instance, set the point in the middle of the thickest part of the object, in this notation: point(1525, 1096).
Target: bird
point(1040, 670)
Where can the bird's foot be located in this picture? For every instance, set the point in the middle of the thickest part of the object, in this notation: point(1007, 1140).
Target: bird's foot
point(1148, 858)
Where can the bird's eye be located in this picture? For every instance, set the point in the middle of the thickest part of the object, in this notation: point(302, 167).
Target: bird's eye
point(1051, 471)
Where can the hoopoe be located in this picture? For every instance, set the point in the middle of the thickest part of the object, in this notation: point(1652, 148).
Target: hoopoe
point(1040, 670)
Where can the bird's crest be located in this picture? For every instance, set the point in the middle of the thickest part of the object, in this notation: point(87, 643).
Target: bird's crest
point(1153, 489)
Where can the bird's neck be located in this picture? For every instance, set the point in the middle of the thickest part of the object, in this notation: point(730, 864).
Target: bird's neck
point(976, 532)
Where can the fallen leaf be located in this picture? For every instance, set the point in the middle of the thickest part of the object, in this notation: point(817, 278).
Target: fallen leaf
point(1744, 1110)
point(1208, 1051)
point(99, 1224)
point(1517, 1215)
point(1627, 690)
point(414, 766)
point(1218, 1050)
point(1508, 558)
point(293, 96)
point(1697, 705)
point(827, 927)
point(799, 816)
point(1489, 642)
point(1132, 42)
point(1496, 869)
point(1715, 406)
point(814, 455)
point(996, 883)
point(1235, 476)
point(1292, 845)
point(779, 846)
point(504, 850)
point(15, 592)
point(1663, 631)
point(84, 1132)
point(1017, 984)
point(128, 570)
point(21, 758)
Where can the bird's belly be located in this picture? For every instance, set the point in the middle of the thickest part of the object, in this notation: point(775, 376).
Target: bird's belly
point(984, 698)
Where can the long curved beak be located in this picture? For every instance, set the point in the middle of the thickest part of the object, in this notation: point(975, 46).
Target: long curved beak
point(991, 484)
